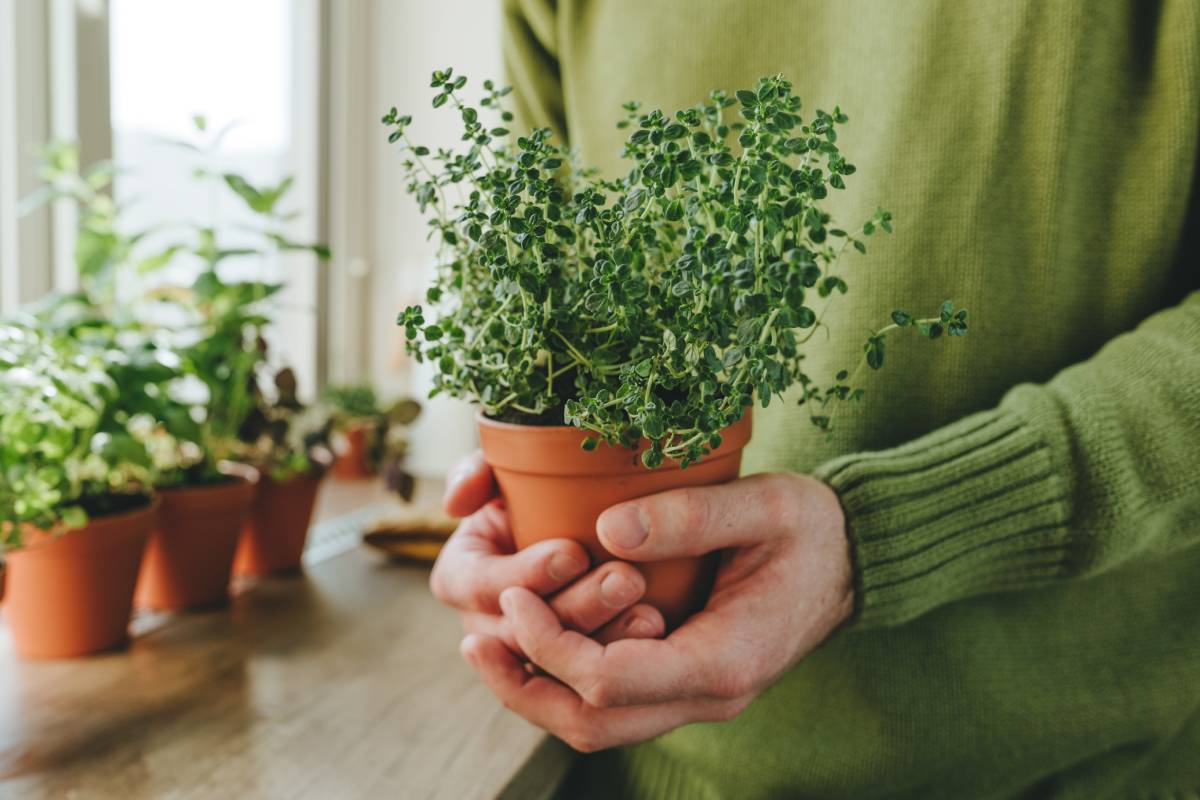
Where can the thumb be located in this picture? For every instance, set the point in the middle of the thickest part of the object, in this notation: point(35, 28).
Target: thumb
point(698, 520)
point(469, 486)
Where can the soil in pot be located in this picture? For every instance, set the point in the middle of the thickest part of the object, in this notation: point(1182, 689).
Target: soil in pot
point(354, 462)
point(189, 557)
point(72, 594)
point(554, 489)
point(276, 529)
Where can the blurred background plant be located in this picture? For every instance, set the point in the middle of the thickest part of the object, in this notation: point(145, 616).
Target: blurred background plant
point(213, 390)
point(66, 452)
point(371, 434)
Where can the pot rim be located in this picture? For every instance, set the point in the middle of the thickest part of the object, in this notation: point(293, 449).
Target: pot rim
point(484, 419)
point(45, 538)
point(532, 449)
point(240, 473)
point(312, 476)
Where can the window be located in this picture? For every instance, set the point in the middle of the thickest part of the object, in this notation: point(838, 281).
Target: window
point(250, 69)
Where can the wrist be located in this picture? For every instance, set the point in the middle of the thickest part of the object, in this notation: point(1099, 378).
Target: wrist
point(840, 551)
point(818, 521)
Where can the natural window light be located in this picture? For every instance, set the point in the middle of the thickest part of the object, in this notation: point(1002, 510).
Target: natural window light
point(256, 108)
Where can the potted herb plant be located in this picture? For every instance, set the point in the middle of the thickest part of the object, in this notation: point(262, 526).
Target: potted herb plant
point(288, 442)
point(614, 331)
point(206, 497)
point(355, 410)
point(364, 425)
point(190, 557)
point(191, 546)
point(75, 501)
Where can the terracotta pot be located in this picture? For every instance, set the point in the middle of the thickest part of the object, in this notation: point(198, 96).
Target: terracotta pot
point(274, 534)
point(189, 557)
point(72, 594)
point(354, 463)
point(554, 489)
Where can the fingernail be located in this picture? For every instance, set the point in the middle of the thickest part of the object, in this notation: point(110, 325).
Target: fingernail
point(617, 591)
point(460, 471)
point(641, 628)
point(564, 566)
point(505, 601)
point(626, 527)
point(467, 650)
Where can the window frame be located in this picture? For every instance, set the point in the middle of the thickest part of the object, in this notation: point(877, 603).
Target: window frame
point(55, 84)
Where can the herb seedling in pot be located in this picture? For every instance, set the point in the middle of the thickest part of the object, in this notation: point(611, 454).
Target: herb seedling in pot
point(649, 311)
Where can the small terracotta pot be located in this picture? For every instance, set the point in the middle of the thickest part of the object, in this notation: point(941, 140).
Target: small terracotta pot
point(189, 557)
point(354, 463)
point(553, 489)
point(72, 594)
point(274, 534)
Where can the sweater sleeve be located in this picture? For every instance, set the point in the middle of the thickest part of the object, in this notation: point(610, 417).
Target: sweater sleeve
point(530, 50)
point(1067, 479)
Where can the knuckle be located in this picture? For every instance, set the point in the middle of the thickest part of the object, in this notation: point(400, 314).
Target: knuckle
point(581, 739)
point(587, 744)
point(570, 617)
point(732, 682)
point(626, 571)
point(696, 511)
point(476, 594)
point(779, 496)
point(599, 693)
point(535, 651)
point(730, 710)
point(680, 512)
point(729, 687)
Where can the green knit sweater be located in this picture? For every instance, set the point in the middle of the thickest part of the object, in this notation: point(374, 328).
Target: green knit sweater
point(1023, 504)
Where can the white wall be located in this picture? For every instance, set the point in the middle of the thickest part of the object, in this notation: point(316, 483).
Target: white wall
point(410, 40)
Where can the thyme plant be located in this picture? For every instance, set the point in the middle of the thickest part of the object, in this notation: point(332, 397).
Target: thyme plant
point(659, 305)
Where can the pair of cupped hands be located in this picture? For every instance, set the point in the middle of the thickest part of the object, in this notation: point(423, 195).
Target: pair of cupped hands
point(606, 672)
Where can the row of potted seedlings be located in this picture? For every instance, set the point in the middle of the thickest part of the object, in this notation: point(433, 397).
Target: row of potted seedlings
point(103, 508)
point(149, 447)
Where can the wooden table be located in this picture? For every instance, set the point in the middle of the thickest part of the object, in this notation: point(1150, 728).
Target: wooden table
point(343, 683)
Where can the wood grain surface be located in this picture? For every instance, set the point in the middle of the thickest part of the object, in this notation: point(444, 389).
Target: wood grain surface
point(342, 683)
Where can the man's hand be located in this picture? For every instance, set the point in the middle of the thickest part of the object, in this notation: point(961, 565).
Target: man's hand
point(480, 560)
point(783, 586)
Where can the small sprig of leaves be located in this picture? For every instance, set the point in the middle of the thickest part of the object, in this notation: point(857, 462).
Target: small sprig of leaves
point(660, 305)
point(948, 321)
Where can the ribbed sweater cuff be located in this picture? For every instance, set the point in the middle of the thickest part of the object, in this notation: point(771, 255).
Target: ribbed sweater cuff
point(978, 506)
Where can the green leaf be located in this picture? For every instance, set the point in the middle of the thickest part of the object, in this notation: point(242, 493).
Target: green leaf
point(244, 190)
point(875, 353)
point(652, 458)
point(74, 517)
